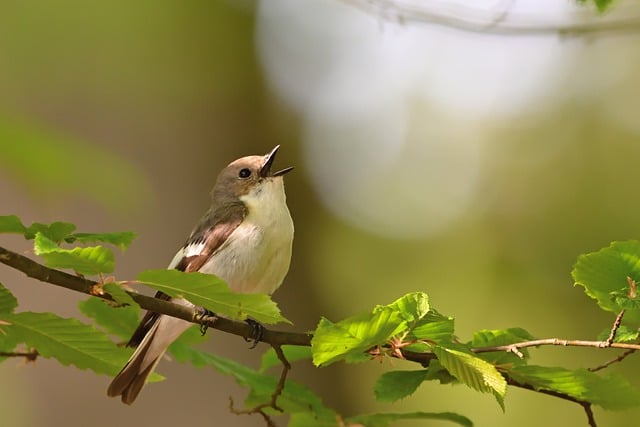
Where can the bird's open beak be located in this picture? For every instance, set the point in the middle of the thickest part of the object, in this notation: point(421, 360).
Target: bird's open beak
point(265, 170)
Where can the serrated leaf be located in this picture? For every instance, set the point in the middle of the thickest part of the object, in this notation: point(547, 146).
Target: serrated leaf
point(353, 336)
point(434, 327)
point(295, 397)
point(384, 420)
point(611, 392)
point(11, 224)
point(119, 295)
point(292, 353)
point(412, 307)
point(395, 385)
point(623, 334)
point(501, 337)
point(472, 371)
point(210, 291)
point(605, 272)
point(56, 231)
point(8, 302)
point(121, 239)
point(69, 341)
point(8, 340)
point(436, 372)
point(87, 261)
point(120, 321)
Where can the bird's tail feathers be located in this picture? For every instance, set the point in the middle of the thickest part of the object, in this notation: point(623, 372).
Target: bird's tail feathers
point(133, 375)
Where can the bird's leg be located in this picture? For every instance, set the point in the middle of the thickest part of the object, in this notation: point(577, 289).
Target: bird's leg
point(257, 331)
point(202, 313)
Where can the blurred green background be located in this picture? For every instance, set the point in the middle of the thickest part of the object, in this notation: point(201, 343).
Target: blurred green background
point(473, 167)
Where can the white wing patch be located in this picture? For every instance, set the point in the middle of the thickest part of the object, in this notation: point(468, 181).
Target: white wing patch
point(194, 248)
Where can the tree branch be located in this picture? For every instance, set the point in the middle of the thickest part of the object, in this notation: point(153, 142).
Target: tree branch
point(500, 21)
point(79, 284)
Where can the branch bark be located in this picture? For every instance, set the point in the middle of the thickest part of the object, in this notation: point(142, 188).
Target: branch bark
point(79, 284)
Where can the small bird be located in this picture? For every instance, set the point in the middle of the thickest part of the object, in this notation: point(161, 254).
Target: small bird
point(245, 238)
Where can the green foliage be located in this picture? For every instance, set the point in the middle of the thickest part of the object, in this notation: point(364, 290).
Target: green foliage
point(87, 261)
point(351, 337)
point(408, 327)
point(292, 353)
point(611, 392)
point(396, 385)
point(623, 334)
point(119, 295)
point(383, 420)
point(67, 340)
point(492, 338)
point(84, 260)
point(120, 321)
point(122, 239)
point(609, 276)
point(209, 291)
point(472, 371)
point(8, 302)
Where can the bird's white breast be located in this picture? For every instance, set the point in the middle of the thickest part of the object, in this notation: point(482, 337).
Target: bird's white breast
point(256, 256)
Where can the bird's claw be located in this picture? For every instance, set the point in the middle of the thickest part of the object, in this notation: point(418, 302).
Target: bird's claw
point(257, 332)
point(202, 313)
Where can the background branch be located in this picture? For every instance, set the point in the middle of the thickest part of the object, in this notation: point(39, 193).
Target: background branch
point(500, 20)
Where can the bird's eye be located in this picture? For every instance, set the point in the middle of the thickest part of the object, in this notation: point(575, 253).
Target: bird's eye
point(244, 173)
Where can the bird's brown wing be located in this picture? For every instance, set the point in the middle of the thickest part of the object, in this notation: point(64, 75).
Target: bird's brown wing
point(205, 239)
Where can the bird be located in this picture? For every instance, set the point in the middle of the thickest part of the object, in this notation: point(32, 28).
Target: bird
point(245, 238)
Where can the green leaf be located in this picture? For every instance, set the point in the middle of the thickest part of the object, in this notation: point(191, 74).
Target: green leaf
point(119, 321)
point(355, 335)
point(436, 371)
point(69, 341)
point(87, 261)
point(623, 334)
point(209, 291)
point(312, 419)
point(605, 273)
point(612, 392)
point(293, 353)
point(11, 224)
point(473, 371)
point(119, 295)
point(295, 397)
point(500, 337)
point(56, 231)
point(412, 307)
point(8, 302)
point(434, 327)
point(8, 340)
point(396, 385)
point(121, 239)
point(383, 420)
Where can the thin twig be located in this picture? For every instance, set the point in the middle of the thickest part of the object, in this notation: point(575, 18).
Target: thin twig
point(272, 403)
point(555, 341)
point(585, 405)
point(472, 20)
point(614, 329)
point(621, 357)
point(30, 356)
